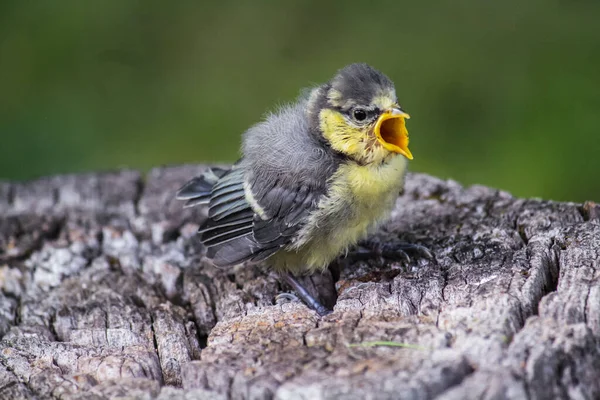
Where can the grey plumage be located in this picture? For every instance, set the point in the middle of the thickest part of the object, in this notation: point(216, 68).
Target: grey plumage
point(264, 203)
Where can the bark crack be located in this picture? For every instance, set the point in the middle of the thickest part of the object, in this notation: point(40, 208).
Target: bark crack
point(140, 184)
point(10, 196)
point(154, 341)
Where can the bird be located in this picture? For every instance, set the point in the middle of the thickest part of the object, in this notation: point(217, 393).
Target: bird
point(315, 177)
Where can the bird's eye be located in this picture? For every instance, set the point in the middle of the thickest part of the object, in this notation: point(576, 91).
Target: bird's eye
point(359, 114)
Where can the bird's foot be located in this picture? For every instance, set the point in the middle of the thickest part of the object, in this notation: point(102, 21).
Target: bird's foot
point(395, 251)
point(303, 294)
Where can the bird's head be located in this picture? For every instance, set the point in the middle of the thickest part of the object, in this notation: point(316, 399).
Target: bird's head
point(357, 113)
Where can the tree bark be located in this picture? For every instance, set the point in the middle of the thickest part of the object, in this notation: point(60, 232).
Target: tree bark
point(105, 293)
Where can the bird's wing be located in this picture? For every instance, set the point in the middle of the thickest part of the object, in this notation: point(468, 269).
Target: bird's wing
point(284, 208)
point(229, 214)
point(237, 231)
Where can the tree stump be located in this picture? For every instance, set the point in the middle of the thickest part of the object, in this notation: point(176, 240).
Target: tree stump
point(105, 293)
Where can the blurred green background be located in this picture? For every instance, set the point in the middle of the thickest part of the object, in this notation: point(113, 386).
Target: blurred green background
point(505, 93)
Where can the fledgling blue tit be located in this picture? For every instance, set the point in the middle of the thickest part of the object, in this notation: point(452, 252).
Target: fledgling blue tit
point(315, 177)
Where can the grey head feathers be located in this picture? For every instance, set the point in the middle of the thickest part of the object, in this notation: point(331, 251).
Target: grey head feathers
point(359, 83)
point(355, 84)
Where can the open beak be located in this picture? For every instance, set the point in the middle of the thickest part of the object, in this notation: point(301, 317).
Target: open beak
point(391, 132)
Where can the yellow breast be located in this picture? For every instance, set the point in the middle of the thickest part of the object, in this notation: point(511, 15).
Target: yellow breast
point(360, 197)
point(367, 184)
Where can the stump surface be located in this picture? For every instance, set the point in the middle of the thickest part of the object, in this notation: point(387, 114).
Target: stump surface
point(104, 293)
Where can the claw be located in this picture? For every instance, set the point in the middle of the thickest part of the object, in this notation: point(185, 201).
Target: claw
point(417, 248)
point(286, 297)
point(395, 253)
point(391, 251)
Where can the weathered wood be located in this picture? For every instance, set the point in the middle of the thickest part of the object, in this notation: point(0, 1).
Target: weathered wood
point(104, 292)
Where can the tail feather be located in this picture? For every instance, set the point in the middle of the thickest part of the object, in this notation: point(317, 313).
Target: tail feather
point(198, 190)
point(196, 201)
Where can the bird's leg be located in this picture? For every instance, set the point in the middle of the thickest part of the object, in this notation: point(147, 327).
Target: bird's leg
point(308, 299)
point(390, 250)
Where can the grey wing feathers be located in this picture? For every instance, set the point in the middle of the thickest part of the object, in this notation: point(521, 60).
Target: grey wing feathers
point(198, 190)
point(227, 232)
point(233, 232)
point(288, 207)
point(227, 195)
point(229, 214)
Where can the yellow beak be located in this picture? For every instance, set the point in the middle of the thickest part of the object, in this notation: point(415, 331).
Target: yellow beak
point(390, 130)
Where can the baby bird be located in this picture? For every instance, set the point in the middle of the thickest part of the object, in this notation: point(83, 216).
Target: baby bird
point(315, 178)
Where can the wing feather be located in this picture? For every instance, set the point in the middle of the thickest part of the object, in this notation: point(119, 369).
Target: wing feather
point(234, 232)
point(288, 208)
point(246, 215)
point(226, 234)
